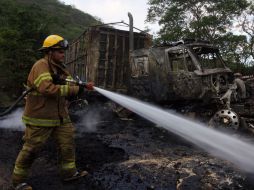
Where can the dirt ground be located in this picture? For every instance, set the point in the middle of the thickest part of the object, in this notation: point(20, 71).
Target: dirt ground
point(124, 154)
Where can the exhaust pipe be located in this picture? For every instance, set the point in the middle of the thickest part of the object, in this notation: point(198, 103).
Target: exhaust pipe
point(131, 35)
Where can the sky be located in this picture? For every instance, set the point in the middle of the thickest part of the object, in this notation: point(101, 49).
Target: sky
point(116, 10)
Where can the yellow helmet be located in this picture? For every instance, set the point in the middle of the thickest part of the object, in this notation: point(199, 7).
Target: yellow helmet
point(54, 42)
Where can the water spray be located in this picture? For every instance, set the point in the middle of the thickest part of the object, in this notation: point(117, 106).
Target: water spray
point(219, 144)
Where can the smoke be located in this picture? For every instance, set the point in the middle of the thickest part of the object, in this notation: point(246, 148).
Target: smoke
point(89, 120)
point(220, 144)
point(13, 121)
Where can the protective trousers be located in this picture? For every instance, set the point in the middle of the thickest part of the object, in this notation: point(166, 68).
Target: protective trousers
point(34, 138)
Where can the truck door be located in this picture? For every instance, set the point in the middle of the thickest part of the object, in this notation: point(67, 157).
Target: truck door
point(139, 82)
point(184, 83)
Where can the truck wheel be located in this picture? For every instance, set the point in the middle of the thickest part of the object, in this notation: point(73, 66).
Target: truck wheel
point(225, 118)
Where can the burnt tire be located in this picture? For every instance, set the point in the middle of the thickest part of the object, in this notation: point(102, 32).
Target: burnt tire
point(225, 119)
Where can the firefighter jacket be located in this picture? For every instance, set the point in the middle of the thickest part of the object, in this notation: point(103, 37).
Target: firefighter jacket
point(46, 104)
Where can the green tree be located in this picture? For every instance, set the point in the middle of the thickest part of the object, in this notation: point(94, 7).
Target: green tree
point(206, 19)
point(210, 20)
point(246, 25)
point(22, 30)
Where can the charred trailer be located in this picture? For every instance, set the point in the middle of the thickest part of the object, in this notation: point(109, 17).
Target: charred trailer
point(101, 54)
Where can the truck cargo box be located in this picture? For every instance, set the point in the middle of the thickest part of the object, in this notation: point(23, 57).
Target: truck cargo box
point(101, 55)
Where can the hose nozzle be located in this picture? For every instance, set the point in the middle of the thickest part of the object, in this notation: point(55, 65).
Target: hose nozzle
point(87, 85)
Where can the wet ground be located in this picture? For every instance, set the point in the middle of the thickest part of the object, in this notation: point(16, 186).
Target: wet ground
point(124, 154)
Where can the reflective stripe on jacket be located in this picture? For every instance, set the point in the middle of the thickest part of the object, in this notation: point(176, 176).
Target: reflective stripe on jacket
point(46, 105)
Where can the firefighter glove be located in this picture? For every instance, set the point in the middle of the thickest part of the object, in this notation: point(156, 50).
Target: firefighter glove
point(89, 85)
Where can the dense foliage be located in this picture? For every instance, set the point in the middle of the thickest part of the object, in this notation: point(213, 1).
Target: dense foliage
point(63, 19)
point(220, 22)
point(24, 25)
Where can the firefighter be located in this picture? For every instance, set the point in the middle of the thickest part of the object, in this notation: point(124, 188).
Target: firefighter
point(46, 114)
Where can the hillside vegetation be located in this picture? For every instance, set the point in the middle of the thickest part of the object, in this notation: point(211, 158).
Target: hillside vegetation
point(24, 25)
point(63, 19)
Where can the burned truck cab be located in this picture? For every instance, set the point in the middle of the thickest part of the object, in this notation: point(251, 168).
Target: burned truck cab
point(184, 70)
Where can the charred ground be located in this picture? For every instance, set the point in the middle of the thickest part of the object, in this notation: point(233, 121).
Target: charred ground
point(125, 154)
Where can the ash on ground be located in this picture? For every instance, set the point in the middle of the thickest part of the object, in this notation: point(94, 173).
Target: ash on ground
point(124, 154)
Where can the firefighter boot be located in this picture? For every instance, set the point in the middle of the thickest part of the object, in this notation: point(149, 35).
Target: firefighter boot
point(23, 186)
point(77, 175)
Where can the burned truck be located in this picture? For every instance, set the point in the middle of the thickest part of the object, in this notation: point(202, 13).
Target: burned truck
point(185, 70)
point(189, 76)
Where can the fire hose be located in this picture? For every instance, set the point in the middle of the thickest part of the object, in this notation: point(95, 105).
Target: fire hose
point(8, 110)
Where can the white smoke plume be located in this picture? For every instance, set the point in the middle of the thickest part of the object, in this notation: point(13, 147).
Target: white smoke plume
point(13, 121)
point(89, 121)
